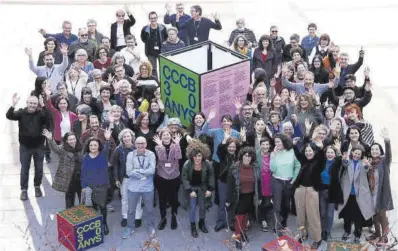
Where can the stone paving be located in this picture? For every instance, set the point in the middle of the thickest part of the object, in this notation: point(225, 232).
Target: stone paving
point(30, 225)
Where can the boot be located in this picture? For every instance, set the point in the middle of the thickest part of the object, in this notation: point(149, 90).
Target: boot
point(194, 232)
point(104, 213)
point(173, 224)
point(238, 245)
point(345, 236)
point(162, 223)
point(24, 195)
point(202, 226)
point(323, 235)
point(38, 192)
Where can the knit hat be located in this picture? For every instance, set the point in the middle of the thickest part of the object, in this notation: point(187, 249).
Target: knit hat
point(124, 132)
point(174, 121)
point(84, 109)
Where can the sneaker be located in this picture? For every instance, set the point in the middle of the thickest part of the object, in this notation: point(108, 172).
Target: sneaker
point(345, 236)
point(315, 245)
point(127, 233)
point(24, 195)
point(264, 226)
point(38, 192)
point(123, 223)
point(110, 208)
point(357, 239)
point(152, 234)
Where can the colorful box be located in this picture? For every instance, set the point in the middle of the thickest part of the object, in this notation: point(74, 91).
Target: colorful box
point(79, 228)
point(200, 77)
point(343, 246)
point(283, 243)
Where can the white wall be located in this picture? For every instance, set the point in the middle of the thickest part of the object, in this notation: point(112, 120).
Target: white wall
point(195, 60)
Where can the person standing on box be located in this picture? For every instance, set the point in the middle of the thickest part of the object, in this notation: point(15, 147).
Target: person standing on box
point(94, 174)
point(198, 27)
point(67, 177)
point(153, 35)
point(140, 168)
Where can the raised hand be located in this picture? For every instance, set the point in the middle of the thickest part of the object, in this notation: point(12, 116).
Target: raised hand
point(177, 138)
point(294, 119)
point(295, 140)
point(64, 49)
point(157, 140)
point(216, 16)
point(337, 144)
point(46, 133)
point(108, 133)
point(273, 82)
point(168, 8)
point(331, 84)
point(341, 101)
point(368, 86)
point(242, 134)
point(308, 124)
point(28, 51)
point(366, 71)
point(42, 31)
point(15, 99)
point(292, 96)
point(212, 114)
point(237, 103)
point(384, 133)
point(131, 112)
point(365, 161)
point(345, 156)
point(110, 78)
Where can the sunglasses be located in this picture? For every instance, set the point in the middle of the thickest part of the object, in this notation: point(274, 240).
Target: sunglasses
point(274, 31)
point(84, 35)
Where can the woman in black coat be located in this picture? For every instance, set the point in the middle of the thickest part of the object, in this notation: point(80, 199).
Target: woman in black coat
point(124, 25)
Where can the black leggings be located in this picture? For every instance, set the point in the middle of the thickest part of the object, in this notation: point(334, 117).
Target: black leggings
point(168, 193)
point(75, 188)
point(352, 214)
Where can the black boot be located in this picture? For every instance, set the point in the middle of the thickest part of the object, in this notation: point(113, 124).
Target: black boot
point(323, 235)
point(138, 223)
point(104, 213)
point(173, 224)
point(162, 223)
point(202, 226)
point(194, 232)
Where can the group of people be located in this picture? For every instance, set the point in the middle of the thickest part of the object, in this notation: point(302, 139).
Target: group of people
point(298, 143)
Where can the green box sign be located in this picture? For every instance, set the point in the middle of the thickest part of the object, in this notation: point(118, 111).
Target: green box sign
point(180, 91)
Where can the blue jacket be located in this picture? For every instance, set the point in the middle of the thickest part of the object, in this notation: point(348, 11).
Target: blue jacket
point(309, 43)
point(201, 31)
point(61, 39)
point(171, 19)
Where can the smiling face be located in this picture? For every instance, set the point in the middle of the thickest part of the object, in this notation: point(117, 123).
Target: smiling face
point(247, 111)
point(166, 138)
point(63, 105)
point(317, 63)
point(375, 151)
point(140, 144)
point(153, 19)
point(241, 42)
point(246, 159)
point(329, 113)
point(357, 154)
point(81, 116)
point(309, 153)
point(94, 123)
point(199, 120)
point(343, 61)
point(265, 43)
point(71, 140)
point(259, 126)
point(120, 14)
point(304, 104)
point(301, 69)
point(129, 103)
point(127, 139)
point(144, 71)
point(105, 94)
point(265, 147)
point(279, 144)
point(354, 135)
point(145, 121)
point(50, 45)
point(32, 104)
point(321, 135)
point(330, 153)
point(296, 57)
point(94, 146)
point(67, 28)
point(288, 131)
point(226, 123)
point(198, 158)
point(155, 107)
point(231, 148)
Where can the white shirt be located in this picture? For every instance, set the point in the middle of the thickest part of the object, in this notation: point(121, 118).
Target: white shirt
point(65, 123)
point(120, 35)
point(131, 60)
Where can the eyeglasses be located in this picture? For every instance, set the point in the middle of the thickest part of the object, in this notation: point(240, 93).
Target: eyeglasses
point(120, 15)
point(274, 31)
point(81, 55)
point(144, 69)
point(99, 77)
point(84, 35)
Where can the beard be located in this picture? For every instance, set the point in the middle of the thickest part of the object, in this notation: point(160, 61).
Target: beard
point(50, 65)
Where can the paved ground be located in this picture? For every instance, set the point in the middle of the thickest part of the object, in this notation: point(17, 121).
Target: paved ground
point(31, 225)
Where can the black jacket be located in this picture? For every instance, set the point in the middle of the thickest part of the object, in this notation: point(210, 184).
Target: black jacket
point(31, 126)
point(226, 161)
point(270, 65)
point(335, 192)
point(128, 23)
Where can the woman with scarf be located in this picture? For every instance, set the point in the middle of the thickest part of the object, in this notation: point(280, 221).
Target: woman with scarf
point(67, 177)
point(228, 152)
point(126, 138)
point(241, 45)
point(380, 188)
point(357, 206)
point(244, 192)
point(167, 177)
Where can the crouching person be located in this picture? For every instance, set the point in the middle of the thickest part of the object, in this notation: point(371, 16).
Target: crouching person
point(140, 168)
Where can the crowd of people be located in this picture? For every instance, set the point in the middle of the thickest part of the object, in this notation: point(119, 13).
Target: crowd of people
point(298, 144)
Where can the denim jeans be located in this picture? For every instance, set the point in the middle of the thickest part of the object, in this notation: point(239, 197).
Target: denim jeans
point(193, 203)
point(222, 215)
point(125, 201)
point(326, 211)
point(134, 198)
point(154, 62)
point(281, 195)
point(25, 157)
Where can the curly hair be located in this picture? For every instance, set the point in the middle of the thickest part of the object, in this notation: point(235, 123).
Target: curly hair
point(87, 145)
point(247, 150)
point(148, 65)
point(197, 147)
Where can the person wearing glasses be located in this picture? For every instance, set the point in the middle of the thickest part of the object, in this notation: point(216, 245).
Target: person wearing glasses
point(179, 17)
point(121, 28)
point(153, 35)
point(82, 43)
point(278, 42)
point(93, 33)
point(243, 31)
point(103, 61)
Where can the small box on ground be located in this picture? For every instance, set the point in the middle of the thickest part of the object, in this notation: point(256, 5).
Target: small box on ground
point(343, 246)
point(79, 228)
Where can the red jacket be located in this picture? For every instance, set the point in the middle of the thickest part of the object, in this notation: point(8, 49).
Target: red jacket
point(57, 117)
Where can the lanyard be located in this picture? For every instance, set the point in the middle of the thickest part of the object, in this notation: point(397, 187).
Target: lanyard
point(196, 27)
point(71, 85)
point(51, 73)
point(141, 163)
